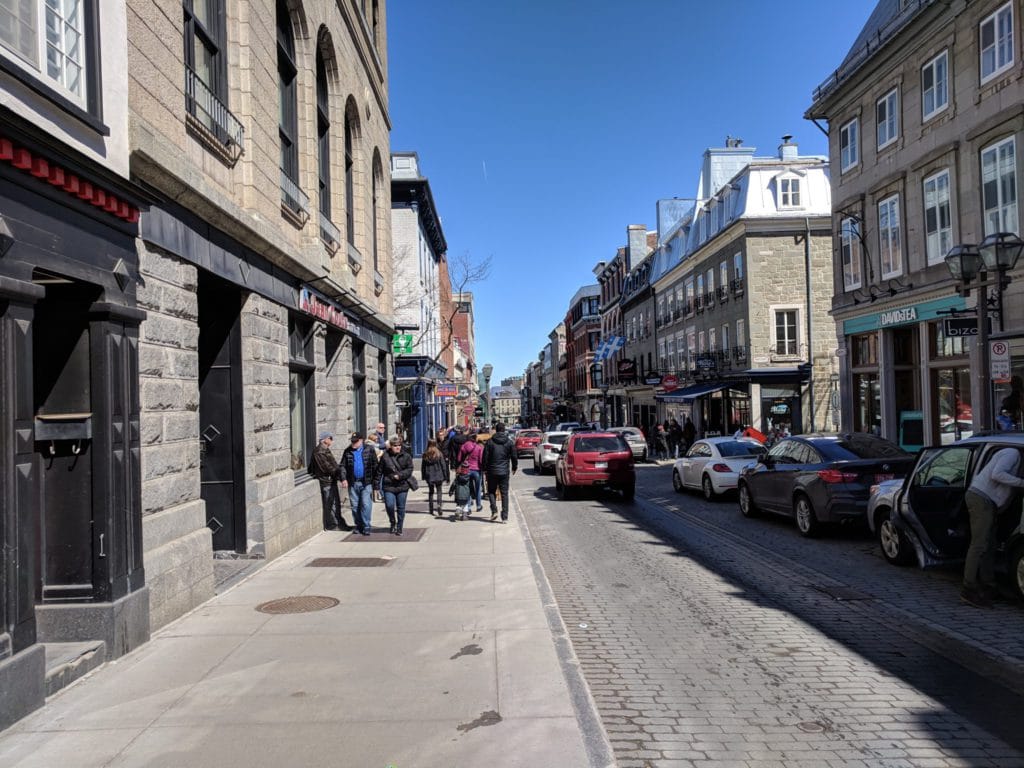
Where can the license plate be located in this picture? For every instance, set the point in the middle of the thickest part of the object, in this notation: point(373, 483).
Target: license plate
point(883, 478)
point(600, 465)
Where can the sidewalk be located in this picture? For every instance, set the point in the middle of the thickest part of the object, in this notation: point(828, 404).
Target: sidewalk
point(446, 651)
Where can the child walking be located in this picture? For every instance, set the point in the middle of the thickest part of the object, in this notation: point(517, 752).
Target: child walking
point(462, 490)
point(435, 473)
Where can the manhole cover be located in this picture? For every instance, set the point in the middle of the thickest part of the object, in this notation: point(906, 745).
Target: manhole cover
point(301, 604)
point(349, 562)
point(842, 593)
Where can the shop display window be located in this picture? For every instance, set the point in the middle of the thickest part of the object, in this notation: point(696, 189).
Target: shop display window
point(864, 349)
point(867, 403)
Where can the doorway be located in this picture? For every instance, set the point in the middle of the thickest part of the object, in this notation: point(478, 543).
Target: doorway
point(221, 444)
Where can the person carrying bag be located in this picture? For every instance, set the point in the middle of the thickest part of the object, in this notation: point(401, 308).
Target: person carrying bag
point(393, 474)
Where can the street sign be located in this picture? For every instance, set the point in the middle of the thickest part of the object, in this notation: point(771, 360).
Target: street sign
point(463, 390)
point(401, 344)
point(962, 326)
point(669, 382)
point(445, 390)
point(478, 412)
point(999, 362)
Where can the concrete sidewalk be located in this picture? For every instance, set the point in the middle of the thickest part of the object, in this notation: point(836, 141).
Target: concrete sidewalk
point(448, 651)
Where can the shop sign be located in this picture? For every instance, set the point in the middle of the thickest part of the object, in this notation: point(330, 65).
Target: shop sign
point(322, 309)
point(898, 317)
point(463, 390)
point(926, 310)
point(445, 390)
point(468, 409)
point(652, 379)
point(962, 326)
point(627, 370)
point(669, 382)
point(999, 362)
point(401, 344)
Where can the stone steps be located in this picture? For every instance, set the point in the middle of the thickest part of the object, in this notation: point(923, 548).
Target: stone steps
point(67, 662)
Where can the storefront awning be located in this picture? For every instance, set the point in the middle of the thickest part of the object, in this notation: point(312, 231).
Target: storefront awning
point(691, 393)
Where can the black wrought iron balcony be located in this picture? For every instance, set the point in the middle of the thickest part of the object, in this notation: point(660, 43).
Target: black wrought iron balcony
point(736, 286)
point(709, 300)
point(723, 294)
point(212, 116)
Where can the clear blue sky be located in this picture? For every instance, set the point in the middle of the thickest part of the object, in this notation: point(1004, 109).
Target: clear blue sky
point(547, 126)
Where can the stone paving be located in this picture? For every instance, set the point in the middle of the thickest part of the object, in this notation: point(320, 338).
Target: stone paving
point(702, 649)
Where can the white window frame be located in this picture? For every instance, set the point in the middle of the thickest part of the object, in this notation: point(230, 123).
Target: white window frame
point(39, 65)
point(797, 339)
point(670, 353)
point(890, 244)
point(737, 265)
point(741, 333)
point(710, 277)
point(725, 337)
point(662, 304)
point(690, 297)
point(1004, 215)
point(938, 242)
point(691, 346)
point(712, 340)
point(1001, 17)
point(850, 253)
point(891, 100)
point(661, 354)
point(789, 197)
point(850, 131)
point(938, 87)
point(701, 340)
point(723, 275)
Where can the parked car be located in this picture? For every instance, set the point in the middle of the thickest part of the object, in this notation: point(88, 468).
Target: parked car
point(925, 519)
point(566, 426)
point(595, 460)
point(713, 465)
point(820, 478)
point(635, 439)
point(545, 453)
point(526, 440)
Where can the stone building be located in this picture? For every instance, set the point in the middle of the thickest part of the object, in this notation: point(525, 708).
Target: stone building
point(923, 118)
point(71, 565)
point(637, 312)
point(582, 333)
point(743, 286)
point(265, 269)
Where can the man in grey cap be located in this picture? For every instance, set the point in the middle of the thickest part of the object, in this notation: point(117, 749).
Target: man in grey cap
point(324, 467)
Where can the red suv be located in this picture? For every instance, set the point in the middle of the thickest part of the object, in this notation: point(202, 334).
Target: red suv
point(526, 440)
point(595, 459)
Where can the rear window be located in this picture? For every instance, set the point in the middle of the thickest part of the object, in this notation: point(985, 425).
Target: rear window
point(860, 447)
point(529, 433)
point(600, 444)
point(739, 448)
point(557, 439)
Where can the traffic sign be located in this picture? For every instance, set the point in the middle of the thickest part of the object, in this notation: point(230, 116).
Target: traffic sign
point(468, 409)
point(401, 344)
point(669, 382)
point(999, 362)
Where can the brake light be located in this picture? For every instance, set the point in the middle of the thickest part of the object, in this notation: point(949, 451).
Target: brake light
point(548, 447)
point(835, 476)
point(721, 467)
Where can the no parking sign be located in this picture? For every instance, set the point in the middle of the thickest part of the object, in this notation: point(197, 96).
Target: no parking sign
point(999, 362)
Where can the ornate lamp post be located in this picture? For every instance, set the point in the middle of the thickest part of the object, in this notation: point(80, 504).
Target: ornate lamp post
point(970, 266)
point(487, 370)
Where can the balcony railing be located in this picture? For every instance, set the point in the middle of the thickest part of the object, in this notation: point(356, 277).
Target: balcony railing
point(723, 294)
point(212, 116)
point(688, 307)
point(294, 199)
point(699, 305)
point(329, 234)
point(739, 354)
point(736, 286)
point(709, 300)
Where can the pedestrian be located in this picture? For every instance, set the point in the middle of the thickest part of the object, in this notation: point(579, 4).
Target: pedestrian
point(675, 438)
point(462, 490)
point(359, 467)
point(991, 491)
point(660, 442)
point(380, 436)
point(324, 467)
point(454, 447)
point(499, 455)
point(394, 470)
point(689, 432)
point(435, 473)
point(471, 455)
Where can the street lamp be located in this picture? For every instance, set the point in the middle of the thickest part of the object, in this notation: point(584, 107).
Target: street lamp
point(487, 370)
point(969, 265)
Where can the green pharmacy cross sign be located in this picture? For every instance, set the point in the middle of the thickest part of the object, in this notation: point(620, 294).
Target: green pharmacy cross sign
point(401, 344)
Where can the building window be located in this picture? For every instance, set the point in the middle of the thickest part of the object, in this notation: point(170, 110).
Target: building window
point(725, 338)
point(286, 74)
point(889, 247)
point(323, 138)
point(887, 118)
point(849, 246)
point(56, 40)
point(301, 396)
point(789, 192)
point(995, 41)
point(359, 387)
point(690, 304)
point(849, 147)
point(935, 85)
point(741, 339)
point(701, 343)
point(938, 226)
point(723, 274)
point(382, 388)
point(375, 211)
point(999, 187)
point(205, 62)
point(703, 226)
point(691, 348)
point(785, 332)
point(350, 182)
point(712, 340)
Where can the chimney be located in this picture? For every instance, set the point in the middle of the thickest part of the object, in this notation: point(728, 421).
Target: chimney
point(787, 149)
point(636, 245)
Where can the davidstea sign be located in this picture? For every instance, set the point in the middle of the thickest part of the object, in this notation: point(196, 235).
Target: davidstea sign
point(898, 317)
point(924, 311)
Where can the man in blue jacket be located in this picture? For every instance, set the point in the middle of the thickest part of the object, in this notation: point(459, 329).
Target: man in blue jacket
point(359, 463)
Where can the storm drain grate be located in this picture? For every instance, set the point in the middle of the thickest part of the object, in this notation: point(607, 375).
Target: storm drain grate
point(842, 593)
point(301, 604)
point(349, 562)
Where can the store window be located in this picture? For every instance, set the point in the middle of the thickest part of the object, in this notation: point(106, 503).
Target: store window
point(867, 394)
point(301, 398)
point(382, 387)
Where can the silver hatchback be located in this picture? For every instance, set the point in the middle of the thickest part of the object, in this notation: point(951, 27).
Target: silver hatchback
point(635, 439)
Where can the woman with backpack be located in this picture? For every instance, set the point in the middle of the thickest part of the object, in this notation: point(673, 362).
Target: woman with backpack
point(470, 455)
point(435, 473)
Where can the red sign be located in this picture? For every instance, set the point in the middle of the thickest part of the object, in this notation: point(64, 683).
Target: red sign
point(468, 409)
point(669, 382)
point(446, 390)
point(324, 310)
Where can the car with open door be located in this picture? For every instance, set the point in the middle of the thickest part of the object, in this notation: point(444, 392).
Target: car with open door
point(928, 523)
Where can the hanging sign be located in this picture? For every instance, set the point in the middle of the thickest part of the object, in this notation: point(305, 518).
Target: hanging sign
point(446, 390)
point(669, 382)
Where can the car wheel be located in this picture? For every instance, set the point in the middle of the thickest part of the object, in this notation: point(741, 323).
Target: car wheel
point(677, 483)
point(629, 492)
point(536, 466)
point(806, 521)
point(1017, 570)
point(708, 488)
point(747, 505)
point(892, 541)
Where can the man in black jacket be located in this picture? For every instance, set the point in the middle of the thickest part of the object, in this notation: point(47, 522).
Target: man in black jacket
point(324, 468)
point(455, 443)
point(499, 453)
point(359, 467)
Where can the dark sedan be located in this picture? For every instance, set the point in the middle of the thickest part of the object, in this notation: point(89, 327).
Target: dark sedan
point(820, 479)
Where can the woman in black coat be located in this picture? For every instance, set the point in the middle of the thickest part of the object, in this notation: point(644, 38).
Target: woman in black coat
point(435, 473)
point(393, 472)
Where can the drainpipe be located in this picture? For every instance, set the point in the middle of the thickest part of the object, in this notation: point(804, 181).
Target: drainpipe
point(810, 348)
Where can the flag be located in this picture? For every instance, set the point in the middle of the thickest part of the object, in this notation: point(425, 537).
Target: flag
point(608, 346)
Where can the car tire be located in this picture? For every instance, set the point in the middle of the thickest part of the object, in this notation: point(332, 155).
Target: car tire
point(565, 492)
point(708, 488)
point(677, 482)
point(895, 546)
point(1017, 571)
point(629, 492)
point(747, 506)
point(536, 467)
point(806, 521)
point(643, 456)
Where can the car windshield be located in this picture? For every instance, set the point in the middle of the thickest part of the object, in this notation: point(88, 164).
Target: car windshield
point(556, 439)
point(740, 448)
point(860, 447)
point(598, 444)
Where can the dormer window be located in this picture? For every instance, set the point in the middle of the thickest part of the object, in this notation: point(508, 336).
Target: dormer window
point(789, 192)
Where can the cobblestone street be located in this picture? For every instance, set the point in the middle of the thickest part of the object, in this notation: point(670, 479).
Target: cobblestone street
point(707, 639)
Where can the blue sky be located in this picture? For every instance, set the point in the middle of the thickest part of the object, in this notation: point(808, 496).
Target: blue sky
point(547, 126)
